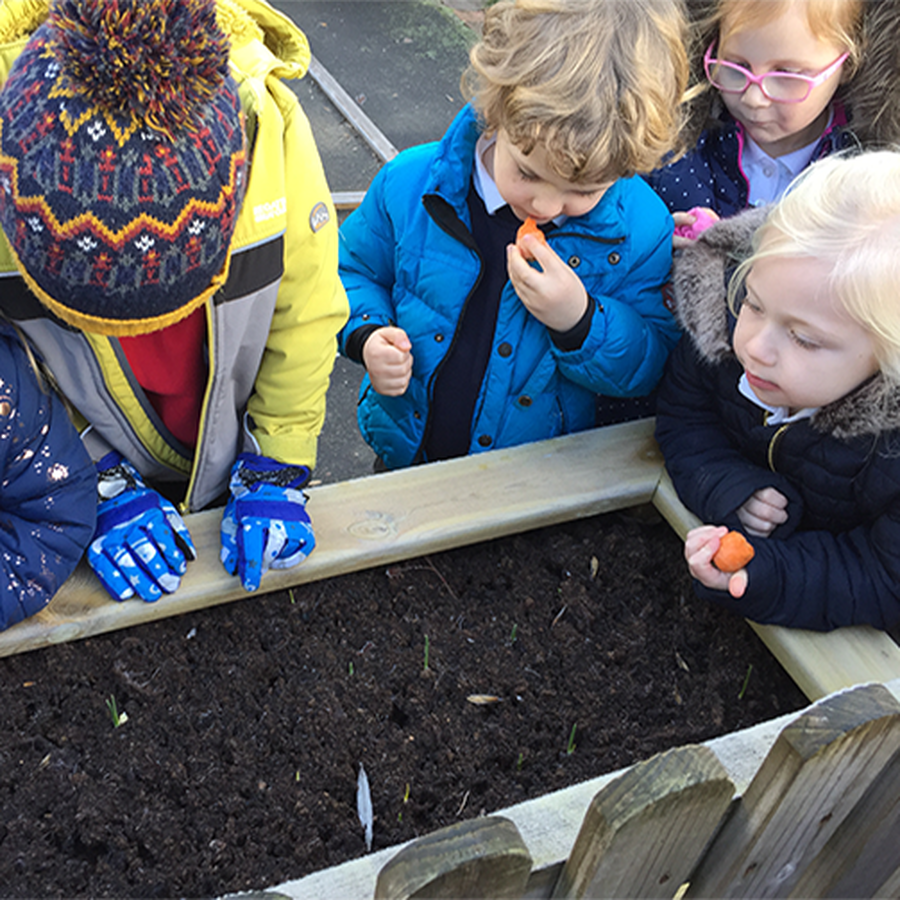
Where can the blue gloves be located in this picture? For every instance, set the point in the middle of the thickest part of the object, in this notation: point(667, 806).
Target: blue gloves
point(265, 524)
point(141, 544)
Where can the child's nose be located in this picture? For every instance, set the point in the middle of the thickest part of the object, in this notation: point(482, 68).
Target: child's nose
point(753, 96)
point(547, 206)
point(761, 347)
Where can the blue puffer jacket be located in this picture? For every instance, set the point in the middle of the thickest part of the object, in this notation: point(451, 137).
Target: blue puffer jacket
point(48, 503)
point(710, 175)
point(407, 258)
point(836, 561)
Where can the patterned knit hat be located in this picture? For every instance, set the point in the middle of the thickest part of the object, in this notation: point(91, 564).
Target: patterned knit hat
point(122, 161)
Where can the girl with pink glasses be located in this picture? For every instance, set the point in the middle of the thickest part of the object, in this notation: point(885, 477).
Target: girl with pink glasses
point(781, 83)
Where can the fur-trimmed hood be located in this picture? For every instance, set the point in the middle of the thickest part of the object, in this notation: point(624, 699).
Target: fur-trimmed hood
point(700, 279)
point(871, 97)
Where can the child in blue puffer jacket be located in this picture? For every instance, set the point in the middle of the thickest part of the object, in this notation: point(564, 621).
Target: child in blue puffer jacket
point(48, 501)
point(467, 345)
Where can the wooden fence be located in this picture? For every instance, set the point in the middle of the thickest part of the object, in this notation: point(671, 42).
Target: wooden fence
point(820, 818)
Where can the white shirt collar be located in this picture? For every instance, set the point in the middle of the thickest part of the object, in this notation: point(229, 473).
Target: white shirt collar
point(778, 415)
point(769, 176)
point(485, 186)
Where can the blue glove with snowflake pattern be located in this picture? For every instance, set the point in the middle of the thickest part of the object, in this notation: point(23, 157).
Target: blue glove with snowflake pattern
point(141, 544)
point(265, 524)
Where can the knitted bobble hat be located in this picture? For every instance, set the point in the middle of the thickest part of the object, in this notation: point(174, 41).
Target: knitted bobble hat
point(122, 161)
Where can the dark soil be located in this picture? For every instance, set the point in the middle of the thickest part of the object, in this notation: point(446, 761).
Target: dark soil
point(237, 766)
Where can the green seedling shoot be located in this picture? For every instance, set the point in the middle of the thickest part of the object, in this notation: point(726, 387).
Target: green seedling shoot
point(512, 634)
point(427, 647)
point(118, 718)
point(291, 595)
point(746, 682)
point(405, 801)
point(570, 747)
point(350, 668)
point(520, 762)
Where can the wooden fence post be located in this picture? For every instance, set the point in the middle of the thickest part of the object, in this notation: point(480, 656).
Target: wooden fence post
point(478, 858)
point(807, 796)
point(644, 832)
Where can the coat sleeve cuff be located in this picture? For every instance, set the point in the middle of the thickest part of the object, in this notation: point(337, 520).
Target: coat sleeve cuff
point(577, 334)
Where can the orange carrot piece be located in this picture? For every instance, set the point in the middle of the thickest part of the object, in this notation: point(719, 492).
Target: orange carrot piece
point(529, 226)
point(734, 552)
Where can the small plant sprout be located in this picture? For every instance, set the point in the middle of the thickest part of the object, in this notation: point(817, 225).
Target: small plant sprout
point(118, 718)
point(512, 634)
point(291, 595)
point(746, 682)
point(350, 668)
point(405, 801)
point(570, 747)
point(520, 762)
point(427, 649)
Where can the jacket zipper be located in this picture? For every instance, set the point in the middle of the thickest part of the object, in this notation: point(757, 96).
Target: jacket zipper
point(770, 455)
point(455, 228)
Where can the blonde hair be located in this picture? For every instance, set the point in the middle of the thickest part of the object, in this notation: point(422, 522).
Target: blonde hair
point(597, 83)
point(844, 209)
point(836, 21)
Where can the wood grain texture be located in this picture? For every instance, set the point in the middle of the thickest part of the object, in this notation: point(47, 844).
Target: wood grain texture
point(385, 518)
point(478, 858)
point(819, 662)
point(643, 834)
point(807, 793)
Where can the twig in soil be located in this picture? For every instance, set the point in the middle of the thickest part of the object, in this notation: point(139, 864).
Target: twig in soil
point(397, 571)
point(559, 615)
point(462, 805)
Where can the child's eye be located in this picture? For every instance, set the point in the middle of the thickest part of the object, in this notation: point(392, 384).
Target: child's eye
point(527, 176)
point(748, 304)
point(802, 342)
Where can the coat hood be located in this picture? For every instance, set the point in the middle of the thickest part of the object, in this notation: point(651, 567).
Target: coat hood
point(246, 22)
point(700, 279)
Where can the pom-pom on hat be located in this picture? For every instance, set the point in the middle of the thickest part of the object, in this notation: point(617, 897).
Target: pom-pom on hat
point(122, 161)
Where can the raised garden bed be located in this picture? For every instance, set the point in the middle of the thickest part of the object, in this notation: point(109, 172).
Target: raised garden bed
point(247, 722)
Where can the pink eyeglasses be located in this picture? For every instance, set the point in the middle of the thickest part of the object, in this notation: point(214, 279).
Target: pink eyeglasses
point(779, 87)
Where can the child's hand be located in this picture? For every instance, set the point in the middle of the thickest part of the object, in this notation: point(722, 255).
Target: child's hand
point(763, 512)
point(700, 546)
point(388, 360)
point(688, 225)
point(553, 294)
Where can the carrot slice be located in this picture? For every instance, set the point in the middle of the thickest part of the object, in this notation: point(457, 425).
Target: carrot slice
point(734, 552)
point(529, 226)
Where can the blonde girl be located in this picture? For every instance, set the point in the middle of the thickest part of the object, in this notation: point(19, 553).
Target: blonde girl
point(785, 423)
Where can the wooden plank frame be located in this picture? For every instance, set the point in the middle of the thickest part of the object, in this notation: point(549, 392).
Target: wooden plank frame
point(412, 512)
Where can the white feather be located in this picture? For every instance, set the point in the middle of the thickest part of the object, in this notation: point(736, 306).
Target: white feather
point(364, 805)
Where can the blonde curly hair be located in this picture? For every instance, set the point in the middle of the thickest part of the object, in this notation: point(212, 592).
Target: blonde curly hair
point(598, 83)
